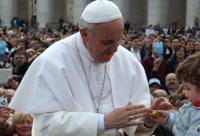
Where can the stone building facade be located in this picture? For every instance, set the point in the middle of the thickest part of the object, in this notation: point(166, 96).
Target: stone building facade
point(137, 12)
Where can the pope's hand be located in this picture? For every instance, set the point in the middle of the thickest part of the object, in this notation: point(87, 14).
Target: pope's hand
point(125, 116)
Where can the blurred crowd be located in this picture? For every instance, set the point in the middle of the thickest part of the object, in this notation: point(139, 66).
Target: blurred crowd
point(159, 49)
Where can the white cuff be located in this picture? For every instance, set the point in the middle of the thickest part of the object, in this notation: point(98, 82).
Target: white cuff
point(101, 127)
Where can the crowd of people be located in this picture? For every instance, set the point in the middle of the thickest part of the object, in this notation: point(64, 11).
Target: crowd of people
point(19, 47)
point(159, 49)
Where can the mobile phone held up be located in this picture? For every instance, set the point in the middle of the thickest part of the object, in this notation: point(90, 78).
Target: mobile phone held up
point(3, 101)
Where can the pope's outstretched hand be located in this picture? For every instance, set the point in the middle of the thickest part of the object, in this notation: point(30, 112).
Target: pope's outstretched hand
point(125, 116)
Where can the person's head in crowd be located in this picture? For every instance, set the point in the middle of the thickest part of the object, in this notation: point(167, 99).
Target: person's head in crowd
point(154, 83)
point(101, 36)
point(135, 42)
point(13, 42)
point(190, 48)
point(22, 35)
point(6, 57)
point(40, 50)
point(180, 52)
point(147, 44)
point(171, 82)
point(175, 42)
point(150, 26)
point(10, 33)
point(30, 52)
point(152, 37)
point(35, 43)
point(188, 72)
point(19, 58)
point(5, 63)
point(168, 36)
point(167, 42)
point(146, 48)
point(126, 44)
point(158, 93)
point(21, 45)
point(197, 46)
point(22, 124)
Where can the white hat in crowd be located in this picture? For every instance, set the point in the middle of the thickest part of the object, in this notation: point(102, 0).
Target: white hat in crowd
point(154, 81)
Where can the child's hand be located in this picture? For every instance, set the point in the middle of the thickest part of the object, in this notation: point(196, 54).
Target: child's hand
point(162, 104)
point(157, 116)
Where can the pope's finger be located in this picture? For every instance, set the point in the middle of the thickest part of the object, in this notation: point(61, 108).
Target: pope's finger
point(137, 111)
point(133, 107)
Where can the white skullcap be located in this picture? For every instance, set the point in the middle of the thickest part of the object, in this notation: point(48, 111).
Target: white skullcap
point(101, 11)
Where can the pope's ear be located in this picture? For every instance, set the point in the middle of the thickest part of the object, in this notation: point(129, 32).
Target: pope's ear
point(84, 34)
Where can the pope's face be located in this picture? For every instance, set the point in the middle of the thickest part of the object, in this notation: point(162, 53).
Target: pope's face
point(104, 39)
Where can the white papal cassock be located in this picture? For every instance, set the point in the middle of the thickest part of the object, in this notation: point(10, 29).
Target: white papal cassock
point(55, 89)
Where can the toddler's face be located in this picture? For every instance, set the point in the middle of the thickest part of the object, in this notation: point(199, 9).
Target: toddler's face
point(192, 92)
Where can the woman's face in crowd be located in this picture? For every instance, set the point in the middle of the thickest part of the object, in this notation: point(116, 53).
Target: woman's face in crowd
point(24, 126)
point(180, 53)
point(147, 44)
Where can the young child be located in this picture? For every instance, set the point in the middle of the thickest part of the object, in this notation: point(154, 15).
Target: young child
point(185, 122)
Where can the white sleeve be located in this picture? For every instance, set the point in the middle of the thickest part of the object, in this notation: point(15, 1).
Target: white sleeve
point(101, 125)
point(67, 123)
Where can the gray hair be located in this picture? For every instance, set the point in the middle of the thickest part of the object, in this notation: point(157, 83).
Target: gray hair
point(83, 24)
point(197, 42)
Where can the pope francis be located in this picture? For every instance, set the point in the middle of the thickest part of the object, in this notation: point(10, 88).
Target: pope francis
point(86, 84)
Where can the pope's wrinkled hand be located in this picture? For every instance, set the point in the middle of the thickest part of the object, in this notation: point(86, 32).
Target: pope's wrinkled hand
point(125, 116)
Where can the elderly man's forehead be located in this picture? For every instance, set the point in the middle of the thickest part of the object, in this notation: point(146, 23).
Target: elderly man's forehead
point(171, 75)
point(112, 26)
point(175, 40)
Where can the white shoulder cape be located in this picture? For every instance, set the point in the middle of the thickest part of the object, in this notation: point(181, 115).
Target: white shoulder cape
point(55, 81)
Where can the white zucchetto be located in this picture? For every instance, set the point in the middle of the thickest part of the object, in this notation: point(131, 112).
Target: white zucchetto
point(101, 11)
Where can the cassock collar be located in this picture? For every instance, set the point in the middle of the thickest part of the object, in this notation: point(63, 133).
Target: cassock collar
point(82, 48)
